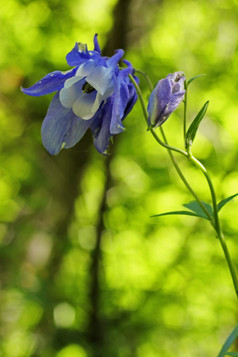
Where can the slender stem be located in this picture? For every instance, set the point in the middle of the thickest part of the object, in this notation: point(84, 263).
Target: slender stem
point(140, 98)
point(146, 77)
point(216, 222)
point(185, 110)
point(169, 148)
point(185, 181)
point(217, 226)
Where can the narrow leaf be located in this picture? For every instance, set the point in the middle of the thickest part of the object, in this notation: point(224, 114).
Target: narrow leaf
point(231, 338)
point(192, 130)
point(195, 77)
point(195, 207)
point(186, 213)
point(235, 354)
point(225, 201)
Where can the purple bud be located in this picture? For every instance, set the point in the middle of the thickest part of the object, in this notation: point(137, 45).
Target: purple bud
point(165, 98)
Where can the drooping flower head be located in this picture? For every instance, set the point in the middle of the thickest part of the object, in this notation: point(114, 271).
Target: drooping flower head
point(95, 94)
point(165, 98)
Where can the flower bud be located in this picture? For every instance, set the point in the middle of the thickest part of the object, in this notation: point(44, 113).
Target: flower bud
point(165, 98)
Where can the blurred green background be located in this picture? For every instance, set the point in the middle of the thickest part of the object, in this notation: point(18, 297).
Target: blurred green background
point(84, 270)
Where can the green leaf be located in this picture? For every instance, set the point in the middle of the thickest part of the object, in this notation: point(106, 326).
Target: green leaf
point(195, 77)
point(225, 201)
point(232, 354)
point(195, 207)
point(231, 338)
point(185, 213)
point(192, 130)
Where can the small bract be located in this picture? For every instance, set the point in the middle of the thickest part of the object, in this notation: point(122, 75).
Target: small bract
point(95, 94)
point(165, 98)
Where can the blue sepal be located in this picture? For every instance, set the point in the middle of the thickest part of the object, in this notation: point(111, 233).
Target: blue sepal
point(100, 126)
point(120, 100)
point(96, 44)
point(78, 55)
point(61, 127)
point(52, 82)
point(113, 61)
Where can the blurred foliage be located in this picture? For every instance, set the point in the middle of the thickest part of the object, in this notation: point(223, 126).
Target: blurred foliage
point(165, 289)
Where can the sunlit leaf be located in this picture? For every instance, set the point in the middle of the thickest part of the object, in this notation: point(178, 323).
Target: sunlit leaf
point(192, 130)
point(231, 338)
point(195, 207)
point(225, 201)
point(184, 213)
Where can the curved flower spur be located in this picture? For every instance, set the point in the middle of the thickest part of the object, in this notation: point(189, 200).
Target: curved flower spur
point(95, 94)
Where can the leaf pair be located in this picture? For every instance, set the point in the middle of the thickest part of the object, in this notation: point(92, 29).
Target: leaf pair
point(196, 210)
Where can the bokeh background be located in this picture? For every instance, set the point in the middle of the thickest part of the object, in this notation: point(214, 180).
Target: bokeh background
point(84, 270)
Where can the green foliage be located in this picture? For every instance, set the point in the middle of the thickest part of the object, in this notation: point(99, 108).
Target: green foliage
point(192, 130)
point(225, 201)
point(186, 213)
point(196, 209)
point(194, 206)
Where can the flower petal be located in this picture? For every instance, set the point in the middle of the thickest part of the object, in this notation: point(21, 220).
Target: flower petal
point(165, 98)
point(132, 97)
point(86, 105)
point(101, 79)
point(112, 61)
point(71, 91)
point(174, 102)
point(158, 100)
point(121, 97)
point(132, 91)
point(61, 127)
point(78, 55)
point(100, 126)
point(96, 44)
point(52, 82)
point(86, 68)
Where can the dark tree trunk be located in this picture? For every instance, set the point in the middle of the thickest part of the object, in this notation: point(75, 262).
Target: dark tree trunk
point(96, 329)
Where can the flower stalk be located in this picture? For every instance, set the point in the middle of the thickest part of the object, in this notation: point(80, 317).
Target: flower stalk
point(170, 149)
point(217, 225)
point(188, 154)
point(185, 111)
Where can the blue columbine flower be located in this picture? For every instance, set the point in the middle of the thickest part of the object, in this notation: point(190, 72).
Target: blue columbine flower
point(165, 98)
point(95, 94)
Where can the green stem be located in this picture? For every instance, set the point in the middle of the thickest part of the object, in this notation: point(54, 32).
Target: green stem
point(185, 111)
point(140, 97)
point(185, 181)
point(217, 226)
point(169, 148)
point(198, 164)
point(147, 78)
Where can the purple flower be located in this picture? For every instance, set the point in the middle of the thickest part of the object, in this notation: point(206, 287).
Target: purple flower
point(95, 94)
point(165, 98)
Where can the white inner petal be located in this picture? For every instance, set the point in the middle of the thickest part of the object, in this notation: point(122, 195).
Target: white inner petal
point(86, 105)
point(101, 79)
point(82, 100)
point(85, 69)
point(72, 90)
point(69, 82)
